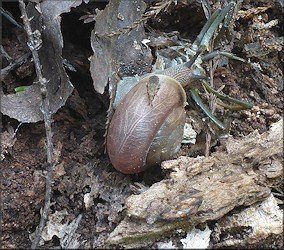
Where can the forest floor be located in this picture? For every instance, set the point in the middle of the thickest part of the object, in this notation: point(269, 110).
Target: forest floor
point(85, 185)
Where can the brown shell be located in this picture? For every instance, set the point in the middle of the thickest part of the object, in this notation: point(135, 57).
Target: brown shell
point(137, 121)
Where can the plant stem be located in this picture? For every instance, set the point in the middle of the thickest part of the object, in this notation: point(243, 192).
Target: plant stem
point(34, 42)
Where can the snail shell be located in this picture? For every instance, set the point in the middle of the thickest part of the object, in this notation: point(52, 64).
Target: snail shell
point(147, 128)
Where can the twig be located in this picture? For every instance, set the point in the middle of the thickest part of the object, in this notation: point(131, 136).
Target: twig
point(9, 16)
point(34, 43)
point(5, 54)
point(209, 96)
point(1, 150)
point(4, 72)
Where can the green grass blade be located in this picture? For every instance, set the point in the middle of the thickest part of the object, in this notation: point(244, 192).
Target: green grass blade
point(244, 105)
point(195, 96)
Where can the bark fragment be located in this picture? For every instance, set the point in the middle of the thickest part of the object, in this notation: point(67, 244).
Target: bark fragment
point(204, 189)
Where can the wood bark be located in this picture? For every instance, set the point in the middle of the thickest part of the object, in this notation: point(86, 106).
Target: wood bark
point(199, 190)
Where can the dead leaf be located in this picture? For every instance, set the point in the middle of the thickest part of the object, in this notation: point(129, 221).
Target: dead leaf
point(25, 106)
point(117, 43)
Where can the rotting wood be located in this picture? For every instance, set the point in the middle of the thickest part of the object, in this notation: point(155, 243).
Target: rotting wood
point(258, 226)
point(204, 189)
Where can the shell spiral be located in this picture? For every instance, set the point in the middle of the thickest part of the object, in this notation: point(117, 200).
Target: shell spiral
point(145, 131)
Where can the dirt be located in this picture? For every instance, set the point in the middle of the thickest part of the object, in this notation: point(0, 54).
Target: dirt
point(84, 181)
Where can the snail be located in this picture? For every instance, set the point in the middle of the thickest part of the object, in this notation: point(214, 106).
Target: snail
point(147, 126)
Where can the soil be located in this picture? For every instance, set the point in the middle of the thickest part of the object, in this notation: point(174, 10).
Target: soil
point(83, 170)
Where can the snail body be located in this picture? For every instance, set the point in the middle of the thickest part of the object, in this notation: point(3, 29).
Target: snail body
point(147, 126)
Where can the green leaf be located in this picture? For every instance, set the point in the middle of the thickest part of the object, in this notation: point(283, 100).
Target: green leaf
point(20, 88)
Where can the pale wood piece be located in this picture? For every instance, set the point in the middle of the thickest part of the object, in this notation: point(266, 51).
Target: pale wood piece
point(203, 189)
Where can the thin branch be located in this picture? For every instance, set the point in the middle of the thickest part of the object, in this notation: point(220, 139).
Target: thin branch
point(5, 54)
point(10, 17)
point(1, 150)
point(4, 72)
point(34, 42)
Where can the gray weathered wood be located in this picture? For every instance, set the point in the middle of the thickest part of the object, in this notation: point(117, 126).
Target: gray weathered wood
point(203, 189)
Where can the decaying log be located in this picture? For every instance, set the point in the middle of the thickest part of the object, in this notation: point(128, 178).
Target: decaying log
point(203, 189)
point(258, 226)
